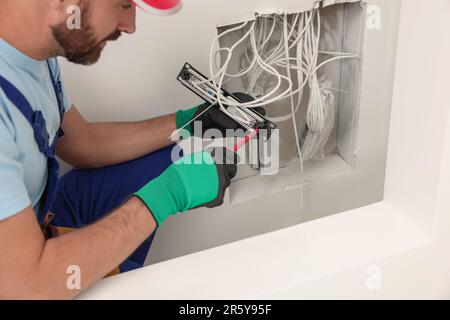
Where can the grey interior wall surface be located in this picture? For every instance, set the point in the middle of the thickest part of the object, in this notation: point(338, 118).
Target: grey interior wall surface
point(136, 79)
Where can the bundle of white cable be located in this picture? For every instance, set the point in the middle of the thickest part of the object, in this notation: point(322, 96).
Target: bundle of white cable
point(268, 43)
point(315, 142)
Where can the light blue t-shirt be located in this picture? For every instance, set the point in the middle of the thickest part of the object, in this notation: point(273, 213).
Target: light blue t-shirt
point(23, 168)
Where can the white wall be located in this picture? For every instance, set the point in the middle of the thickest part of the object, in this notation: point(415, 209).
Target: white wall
point(418, 171)
point(136, 80)
point(421, 80)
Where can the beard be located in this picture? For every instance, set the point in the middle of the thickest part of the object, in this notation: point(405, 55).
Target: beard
point(80, 46)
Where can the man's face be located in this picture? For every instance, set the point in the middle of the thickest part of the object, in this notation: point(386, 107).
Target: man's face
point(101, 21)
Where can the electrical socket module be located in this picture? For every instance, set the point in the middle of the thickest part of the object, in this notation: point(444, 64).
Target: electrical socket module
point(206, 89)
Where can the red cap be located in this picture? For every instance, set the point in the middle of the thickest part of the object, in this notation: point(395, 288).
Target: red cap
point(159, 7)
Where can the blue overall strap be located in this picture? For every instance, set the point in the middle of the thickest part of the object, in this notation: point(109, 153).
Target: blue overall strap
point(35, 118)
point(57, 87)
point(17, 98)
point(37, 121)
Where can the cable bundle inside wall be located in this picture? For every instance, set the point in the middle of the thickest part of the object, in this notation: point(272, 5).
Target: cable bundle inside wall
point(280, 63)
point(278, 59)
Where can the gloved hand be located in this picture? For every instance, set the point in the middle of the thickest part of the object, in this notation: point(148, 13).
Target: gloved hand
point(213, 118)
point(197, 180)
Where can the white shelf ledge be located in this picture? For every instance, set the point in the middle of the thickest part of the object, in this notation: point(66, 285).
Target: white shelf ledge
point(270, 262)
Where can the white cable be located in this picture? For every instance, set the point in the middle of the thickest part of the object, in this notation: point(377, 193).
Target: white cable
point(221, 73)
point(315, 143)
point(265, 44)
point(294, 121)
point(262, 101)
point(315, 113)
point(300, 71)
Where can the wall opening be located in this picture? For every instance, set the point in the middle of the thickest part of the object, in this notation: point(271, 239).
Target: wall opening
point(327, 41)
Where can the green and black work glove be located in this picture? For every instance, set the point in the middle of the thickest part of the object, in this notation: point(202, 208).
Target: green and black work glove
point(213, 118)
point(196, 180)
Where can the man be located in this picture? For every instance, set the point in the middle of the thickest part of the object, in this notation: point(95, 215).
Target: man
point(104, 213)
